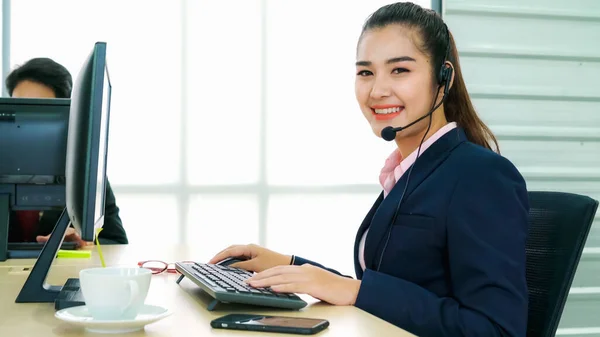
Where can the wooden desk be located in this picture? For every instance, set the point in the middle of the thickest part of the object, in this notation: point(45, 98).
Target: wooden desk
point(188, 302)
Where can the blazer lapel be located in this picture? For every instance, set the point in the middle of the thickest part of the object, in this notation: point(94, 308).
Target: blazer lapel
point(425, 164)
point(361, 230)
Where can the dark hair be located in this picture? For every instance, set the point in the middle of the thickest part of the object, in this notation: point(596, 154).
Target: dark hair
point(436, 41)
point(44, 71)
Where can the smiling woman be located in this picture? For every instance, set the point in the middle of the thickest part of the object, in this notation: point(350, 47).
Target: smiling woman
point(442, 250)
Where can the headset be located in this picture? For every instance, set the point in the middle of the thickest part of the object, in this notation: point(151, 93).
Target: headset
point(443, 77)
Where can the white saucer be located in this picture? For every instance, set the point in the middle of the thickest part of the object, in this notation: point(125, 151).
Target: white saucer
point(80, 316)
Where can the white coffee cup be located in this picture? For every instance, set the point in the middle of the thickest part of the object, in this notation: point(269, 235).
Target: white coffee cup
point(114, 293)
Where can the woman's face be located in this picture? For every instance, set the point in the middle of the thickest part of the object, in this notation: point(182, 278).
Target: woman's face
point(394, 82)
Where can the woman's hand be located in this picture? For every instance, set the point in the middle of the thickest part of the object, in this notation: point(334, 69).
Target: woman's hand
point(308, 279)
point(259, 258)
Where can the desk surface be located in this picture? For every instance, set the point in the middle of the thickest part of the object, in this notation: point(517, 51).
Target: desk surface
point(187, 301)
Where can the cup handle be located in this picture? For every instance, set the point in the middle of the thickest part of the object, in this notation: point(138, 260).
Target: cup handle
point(134, 291)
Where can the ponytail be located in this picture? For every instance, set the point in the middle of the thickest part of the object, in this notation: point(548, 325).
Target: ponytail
point(459, 108)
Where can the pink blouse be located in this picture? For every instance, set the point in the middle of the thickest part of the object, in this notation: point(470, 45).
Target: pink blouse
point(392, 171)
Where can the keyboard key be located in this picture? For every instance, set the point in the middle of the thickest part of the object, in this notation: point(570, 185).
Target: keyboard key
point(206, 280)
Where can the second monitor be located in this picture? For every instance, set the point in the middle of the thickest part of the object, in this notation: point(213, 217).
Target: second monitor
point(87, 144)
point(85, 170)
point(33, 141)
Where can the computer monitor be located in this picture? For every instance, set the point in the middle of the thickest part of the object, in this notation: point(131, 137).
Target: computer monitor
point(33, 142)
point(87, 144)
point(33, 134)
point(85, 169)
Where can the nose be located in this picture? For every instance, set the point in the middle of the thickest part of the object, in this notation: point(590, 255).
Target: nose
point(381, 88)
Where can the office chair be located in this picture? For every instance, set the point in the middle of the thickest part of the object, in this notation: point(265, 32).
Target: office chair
point(559, 224)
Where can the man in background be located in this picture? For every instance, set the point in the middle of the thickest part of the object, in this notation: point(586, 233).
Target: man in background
point(45, 78)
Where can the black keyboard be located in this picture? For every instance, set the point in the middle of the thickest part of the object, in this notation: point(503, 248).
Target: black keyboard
point(32, 250)
point(38, 245)
point(226, 284)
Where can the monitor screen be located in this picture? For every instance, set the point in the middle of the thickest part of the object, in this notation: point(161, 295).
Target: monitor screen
point(102, 153)
point(87, 141)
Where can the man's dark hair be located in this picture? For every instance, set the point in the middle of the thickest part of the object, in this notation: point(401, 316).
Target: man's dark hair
point(44, 71)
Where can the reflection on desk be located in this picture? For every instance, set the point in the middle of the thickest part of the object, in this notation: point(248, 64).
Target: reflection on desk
point(186, 300)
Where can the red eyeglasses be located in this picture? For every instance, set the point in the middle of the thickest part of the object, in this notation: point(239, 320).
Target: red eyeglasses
point(157, 266)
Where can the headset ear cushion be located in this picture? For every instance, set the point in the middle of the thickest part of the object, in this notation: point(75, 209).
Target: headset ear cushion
point(441, 75)
point(444, 75)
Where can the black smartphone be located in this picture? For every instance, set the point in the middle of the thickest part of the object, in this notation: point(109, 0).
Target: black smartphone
point(265, 323)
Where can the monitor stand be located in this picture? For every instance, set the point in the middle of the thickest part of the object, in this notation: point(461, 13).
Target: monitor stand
point(35, 289)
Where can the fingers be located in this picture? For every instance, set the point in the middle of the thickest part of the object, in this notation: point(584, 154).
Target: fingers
point(279, 270)
point(80, 242)
point(284, 283)
point(69, 233)
point(289, 288)
point(271, 281)
point(42, 238)
point(74, 237)
point(221, 252)
point(232, 251)
point(68, 238)
point(222, 255)
point(249, 265)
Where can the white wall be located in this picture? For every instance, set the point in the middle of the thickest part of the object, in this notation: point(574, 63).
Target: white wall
point(532, 67)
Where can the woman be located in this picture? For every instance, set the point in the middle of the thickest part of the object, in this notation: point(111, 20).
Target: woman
point(442, 251)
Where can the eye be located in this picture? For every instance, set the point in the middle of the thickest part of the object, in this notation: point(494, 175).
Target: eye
point(364, 73)
point(399, 70)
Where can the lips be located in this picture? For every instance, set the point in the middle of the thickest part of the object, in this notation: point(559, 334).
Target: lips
point(385, 112)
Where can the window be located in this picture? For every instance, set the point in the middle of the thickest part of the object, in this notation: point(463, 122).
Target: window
point(231, 122)
point(223, 95)
point(316, 132)
point(218, 221)
point(319, 227)
point(144, 62)
point(149, 219)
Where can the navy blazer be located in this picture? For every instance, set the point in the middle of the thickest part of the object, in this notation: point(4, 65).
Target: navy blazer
point(455, 261)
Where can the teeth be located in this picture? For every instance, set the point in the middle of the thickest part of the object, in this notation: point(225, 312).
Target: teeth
point(387, 111)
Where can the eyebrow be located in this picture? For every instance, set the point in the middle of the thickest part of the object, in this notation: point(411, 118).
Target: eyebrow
point(390, 61)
